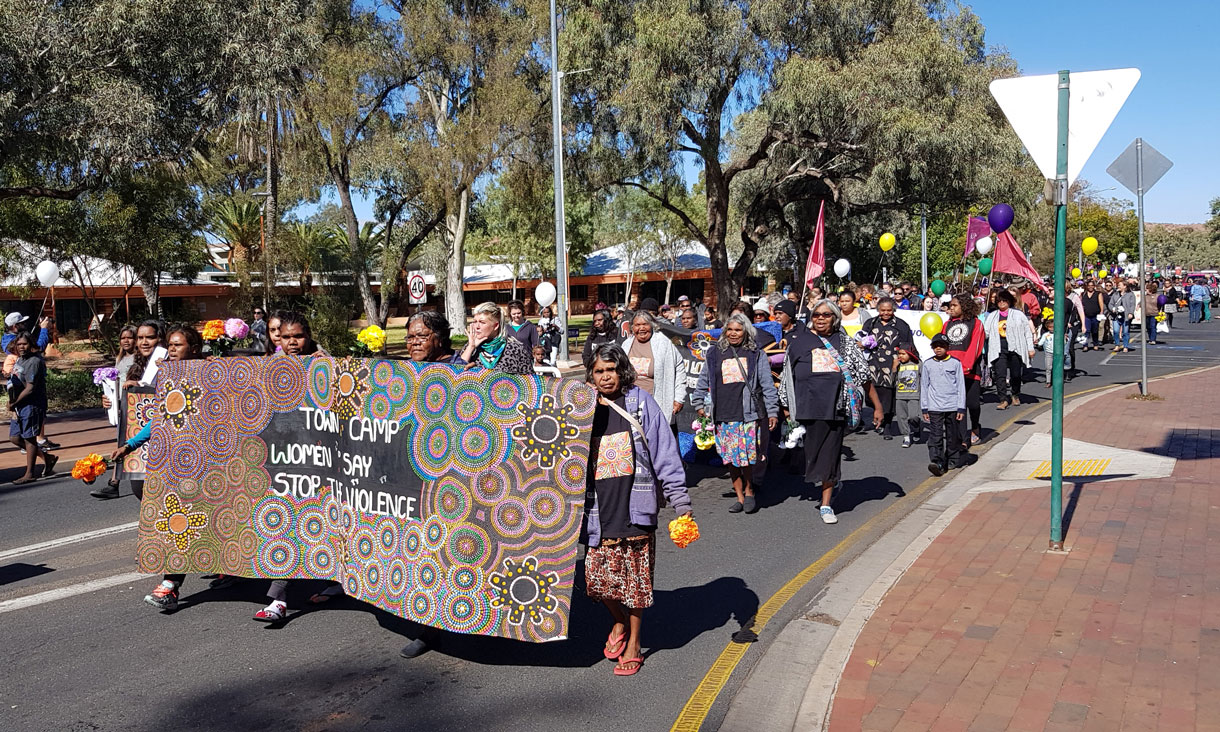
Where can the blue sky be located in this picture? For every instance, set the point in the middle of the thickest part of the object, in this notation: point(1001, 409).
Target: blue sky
point(1175, 106)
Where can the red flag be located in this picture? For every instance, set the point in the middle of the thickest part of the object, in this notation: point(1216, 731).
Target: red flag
point(817, 251)
point(976, 229)
point(1010, 259)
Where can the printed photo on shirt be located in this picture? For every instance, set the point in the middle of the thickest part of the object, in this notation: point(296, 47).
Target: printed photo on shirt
point(823, 362)
point(732, 373)
point(614, 456)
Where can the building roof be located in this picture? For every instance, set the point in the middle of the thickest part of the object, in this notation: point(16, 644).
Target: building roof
point(609, 261)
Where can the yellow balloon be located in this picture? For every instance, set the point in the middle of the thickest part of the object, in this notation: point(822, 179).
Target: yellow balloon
point(930, 324)
point(1075, 271)
point(887, 241)
point(1089, 245)
point(1101, 274)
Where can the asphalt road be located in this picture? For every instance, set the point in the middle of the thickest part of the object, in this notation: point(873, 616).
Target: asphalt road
point(80, 650)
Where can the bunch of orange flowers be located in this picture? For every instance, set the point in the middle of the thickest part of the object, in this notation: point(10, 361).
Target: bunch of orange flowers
point(213, 330)
point(89, 468)
point(683, 530)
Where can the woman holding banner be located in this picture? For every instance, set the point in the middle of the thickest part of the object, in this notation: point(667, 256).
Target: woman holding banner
point(737, 377)
point(634, 467)
point(183, 343)
point(428, 338)
point(660, 369)
point(489, 348)
point(149, 336)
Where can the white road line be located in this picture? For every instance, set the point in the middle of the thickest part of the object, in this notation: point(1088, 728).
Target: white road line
point(66, 540)
point(40, 598)
point(1106, 360)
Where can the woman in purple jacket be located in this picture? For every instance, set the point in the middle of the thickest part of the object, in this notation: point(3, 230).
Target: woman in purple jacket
point(634, 468)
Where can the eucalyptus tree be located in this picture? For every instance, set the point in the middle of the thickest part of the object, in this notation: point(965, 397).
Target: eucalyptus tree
point(869, 105)
point(476, 93)
point(86, 97)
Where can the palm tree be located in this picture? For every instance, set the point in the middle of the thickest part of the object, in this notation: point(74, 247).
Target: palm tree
point(309, 248)
point(237, 224)
point(372, 240)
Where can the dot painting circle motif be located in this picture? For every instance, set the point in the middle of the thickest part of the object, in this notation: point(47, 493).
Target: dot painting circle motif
point(284, 381)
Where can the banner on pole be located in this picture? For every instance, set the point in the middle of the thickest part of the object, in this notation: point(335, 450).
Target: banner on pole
point(453, 499)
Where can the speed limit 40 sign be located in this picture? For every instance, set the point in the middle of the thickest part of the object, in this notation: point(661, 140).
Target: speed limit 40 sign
point(417, 289)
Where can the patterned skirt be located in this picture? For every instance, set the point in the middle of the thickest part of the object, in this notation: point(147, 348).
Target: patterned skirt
point(737, 443)
point(621, 569)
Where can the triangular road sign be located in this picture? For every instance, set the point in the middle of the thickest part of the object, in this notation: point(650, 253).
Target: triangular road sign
point(1031, 104)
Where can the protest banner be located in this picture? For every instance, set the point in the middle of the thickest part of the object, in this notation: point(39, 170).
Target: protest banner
point(450, 498)
point(138, 407)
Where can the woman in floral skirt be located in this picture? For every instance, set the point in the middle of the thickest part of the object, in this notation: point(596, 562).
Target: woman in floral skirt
point(737, 393)
point(634, 469)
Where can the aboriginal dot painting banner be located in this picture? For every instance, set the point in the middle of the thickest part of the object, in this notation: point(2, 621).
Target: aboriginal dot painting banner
point(450, 498)
point(139, 406)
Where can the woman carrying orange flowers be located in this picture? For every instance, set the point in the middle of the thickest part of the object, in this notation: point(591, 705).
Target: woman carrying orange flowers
point(634, 468)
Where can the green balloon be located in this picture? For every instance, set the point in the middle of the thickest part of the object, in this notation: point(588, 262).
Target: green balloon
point(1157, 275)
point(938, 287)
point(985, 266)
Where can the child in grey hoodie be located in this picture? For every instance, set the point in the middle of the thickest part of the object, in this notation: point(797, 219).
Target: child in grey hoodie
point(942, 397)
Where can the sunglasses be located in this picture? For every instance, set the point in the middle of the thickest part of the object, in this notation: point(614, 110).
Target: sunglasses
point(823, 315)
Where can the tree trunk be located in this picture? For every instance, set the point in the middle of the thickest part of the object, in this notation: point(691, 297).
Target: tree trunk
point(669, 285)
point(353, 242)
point(272, 211)
point(455, 233)
point(152, 292)
point(726, 287)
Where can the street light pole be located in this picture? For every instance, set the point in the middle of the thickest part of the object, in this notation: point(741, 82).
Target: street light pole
point(561, 248)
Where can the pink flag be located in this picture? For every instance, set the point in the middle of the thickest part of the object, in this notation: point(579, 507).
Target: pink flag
point(975, 230)
point(1009, 258)
point(817, 251)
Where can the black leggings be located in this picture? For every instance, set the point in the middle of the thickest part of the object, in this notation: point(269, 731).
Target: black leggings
point(1006, 374)
point(974, 403)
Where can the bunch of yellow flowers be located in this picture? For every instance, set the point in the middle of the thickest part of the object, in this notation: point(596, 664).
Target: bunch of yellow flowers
point(372, 338)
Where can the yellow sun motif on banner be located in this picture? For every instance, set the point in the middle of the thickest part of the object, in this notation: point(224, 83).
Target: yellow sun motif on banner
point(524, 590)
point(546, 431)
point(178, 523)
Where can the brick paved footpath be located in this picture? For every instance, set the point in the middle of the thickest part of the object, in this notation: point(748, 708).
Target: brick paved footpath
point(78, 434)
point(988, 631)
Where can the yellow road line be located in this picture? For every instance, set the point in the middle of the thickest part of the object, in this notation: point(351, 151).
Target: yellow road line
point(700, 703)
point(695, 711)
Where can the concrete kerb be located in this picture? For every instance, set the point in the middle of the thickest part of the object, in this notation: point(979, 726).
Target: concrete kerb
point(817, 644)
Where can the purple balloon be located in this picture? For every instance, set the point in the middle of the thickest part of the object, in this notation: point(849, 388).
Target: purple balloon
point(1000, 217)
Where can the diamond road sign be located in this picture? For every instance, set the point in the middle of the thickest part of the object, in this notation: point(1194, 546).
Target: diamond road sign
point(1031, 105)
point(1123, 169)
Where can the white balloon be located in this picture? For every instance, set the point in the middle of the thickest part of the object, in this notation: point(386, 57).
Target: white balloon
point(1122, 256)
point(544, 295)
point(842, 268)
point(983, 246)
point(47, 272)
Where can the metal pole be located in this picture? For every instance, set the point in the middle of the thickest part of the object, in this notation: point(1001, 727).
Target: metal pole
point(923, 247)
point(1061, 305)
point(1139, 197)
point(561, 259)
